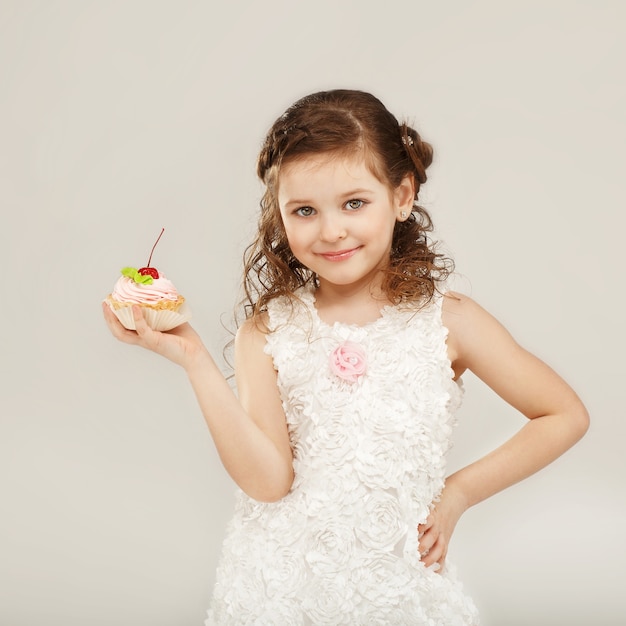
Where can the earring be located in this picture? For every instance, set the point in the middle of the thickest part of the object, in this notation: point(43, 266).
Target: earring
point(403, 214)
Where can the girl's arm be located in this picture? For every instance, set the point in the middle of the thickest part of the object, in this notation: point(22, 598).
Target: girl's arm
point(557, 417)
point(250, 432)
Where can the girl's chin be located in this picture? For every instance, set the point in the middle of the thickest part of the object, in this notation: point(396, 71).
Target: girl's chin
point(348, 281)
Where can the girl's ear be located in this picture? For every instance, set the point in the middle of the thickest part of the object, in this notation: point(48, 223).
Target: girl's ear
point(404, 195)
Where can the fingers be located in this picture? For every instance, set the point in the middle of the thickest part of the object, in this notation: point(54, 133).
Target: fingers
point(115, 326)
point(148, 338)
point(427, 541)
point(432, 544)
point(433, 552)
point(120, 332)
point(422, 528)
point(141, 326)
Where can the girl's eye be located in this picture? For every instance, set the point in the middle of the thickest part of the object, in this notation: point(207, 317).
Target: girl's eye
point(304, 211)
point(354, 204)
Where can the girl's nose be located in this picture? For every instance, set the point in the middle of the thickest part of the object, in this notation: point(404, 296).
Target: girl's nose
point(332, 228)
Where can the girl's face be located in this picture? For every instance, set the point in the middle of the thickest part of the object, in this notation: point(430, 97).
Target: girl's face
point(339, 218)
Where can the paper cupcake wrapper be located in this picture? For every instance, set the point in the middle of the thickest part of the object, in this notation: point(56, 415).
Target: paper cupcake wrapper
point(156, 319)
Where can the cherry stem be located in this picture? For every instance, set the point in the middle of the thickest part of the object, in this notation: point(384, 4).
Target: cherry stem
point(154, 246)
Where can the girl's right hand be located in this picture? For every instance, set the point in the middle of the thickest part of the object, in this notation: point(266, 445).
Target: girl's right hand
point(181, 345)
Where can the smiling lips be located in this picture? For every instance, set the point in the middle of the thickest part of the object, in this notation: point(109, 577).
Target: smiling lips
point(339, 255)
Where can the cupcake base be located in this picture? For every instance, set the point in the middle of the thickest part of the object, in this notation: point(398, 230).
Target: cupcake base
point(162, 316)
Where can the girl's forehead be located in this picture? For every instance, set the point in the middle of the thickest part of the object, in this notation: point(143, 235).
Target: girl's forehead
point(309, 178)
point(351, 164)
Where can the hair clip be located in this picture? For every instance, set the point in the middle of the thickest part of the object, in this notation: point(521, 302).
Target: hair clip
point(408, 140)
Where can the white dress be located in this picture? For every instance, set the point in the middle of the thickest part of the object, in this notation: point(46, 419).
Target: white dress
point(369, 460)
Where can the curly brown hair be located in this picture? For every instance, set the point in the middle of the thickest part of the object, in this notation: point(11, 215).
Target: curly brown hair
point(342, 122)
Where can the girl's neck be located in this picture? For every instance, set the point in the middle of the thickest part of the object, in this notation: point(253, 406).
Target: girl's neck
point(351, 304)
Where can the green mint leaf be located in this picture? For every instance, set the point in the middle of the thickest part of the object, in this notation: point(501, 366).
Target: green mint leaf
point(131, 272)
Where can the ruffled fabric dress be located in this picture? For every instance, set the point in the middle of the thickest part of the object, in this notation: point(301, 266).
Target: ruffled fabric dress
point(369, 446)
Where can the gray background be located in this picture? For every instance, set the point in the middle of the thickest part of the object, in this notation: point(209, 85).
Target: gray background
point(119, 118)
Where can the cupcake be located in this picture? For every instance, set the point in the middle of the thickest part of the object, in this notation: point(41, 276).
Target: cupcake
point(162, 306)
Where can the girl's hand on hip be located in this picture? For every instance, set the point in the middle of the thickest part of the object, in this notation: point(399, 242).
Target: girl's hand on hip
point(181, 345)
point(435, 533)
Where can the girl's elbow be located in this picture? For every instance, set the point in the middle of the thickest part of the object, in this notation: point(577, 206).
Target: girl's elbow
point(272, 497)
point(272, 491)
point(577, 422)
point(582, 421)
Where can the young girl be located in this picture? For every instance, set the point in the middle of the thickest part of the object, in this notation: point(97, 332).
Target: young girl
point(348, 371)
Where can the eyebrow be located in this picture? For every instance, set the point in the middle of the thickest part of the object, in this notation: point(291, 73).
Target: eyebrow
point(347, 194)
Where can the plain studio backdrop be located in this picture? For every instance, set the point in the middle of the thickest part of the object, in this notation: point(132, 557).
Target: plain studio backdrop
point(120, 118)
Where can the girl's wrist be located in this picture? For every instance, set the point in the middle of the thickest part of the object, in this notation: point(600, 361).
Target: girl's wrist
point(454, 487)
point(198, 362)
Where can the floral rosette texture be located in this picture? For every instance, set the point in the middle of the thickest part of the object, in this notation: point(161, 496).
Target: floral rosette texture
point(348, 361)
point(163, 307)
point(370, 412)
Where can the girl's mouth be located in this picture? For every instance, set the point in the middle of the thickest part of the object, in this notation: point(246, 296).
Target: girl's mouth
point(339, 255)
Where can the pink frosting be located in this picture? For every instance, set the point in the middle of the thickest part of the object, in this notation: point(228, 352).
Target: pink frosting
point(127, 290)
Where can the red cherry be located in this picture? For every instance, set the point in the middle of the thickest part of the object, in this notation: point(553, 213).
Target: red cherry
point(149, 271)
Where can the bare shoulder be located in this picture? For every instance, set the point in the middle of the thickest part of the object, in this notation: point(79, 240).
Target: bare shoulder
point(472, 331)
point(251, 359)
point(254, 367)
point(460, 312)
point(250, 335)
point(457, 304)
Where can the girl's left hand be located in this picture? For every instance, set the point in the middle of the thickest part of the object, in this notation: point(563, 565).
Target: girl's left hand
point(181, 345)
point(435, 533)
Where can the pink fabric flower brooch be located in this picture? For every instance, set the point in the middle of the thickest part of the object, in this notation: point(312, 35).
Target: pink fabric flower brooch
point(348, 361)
